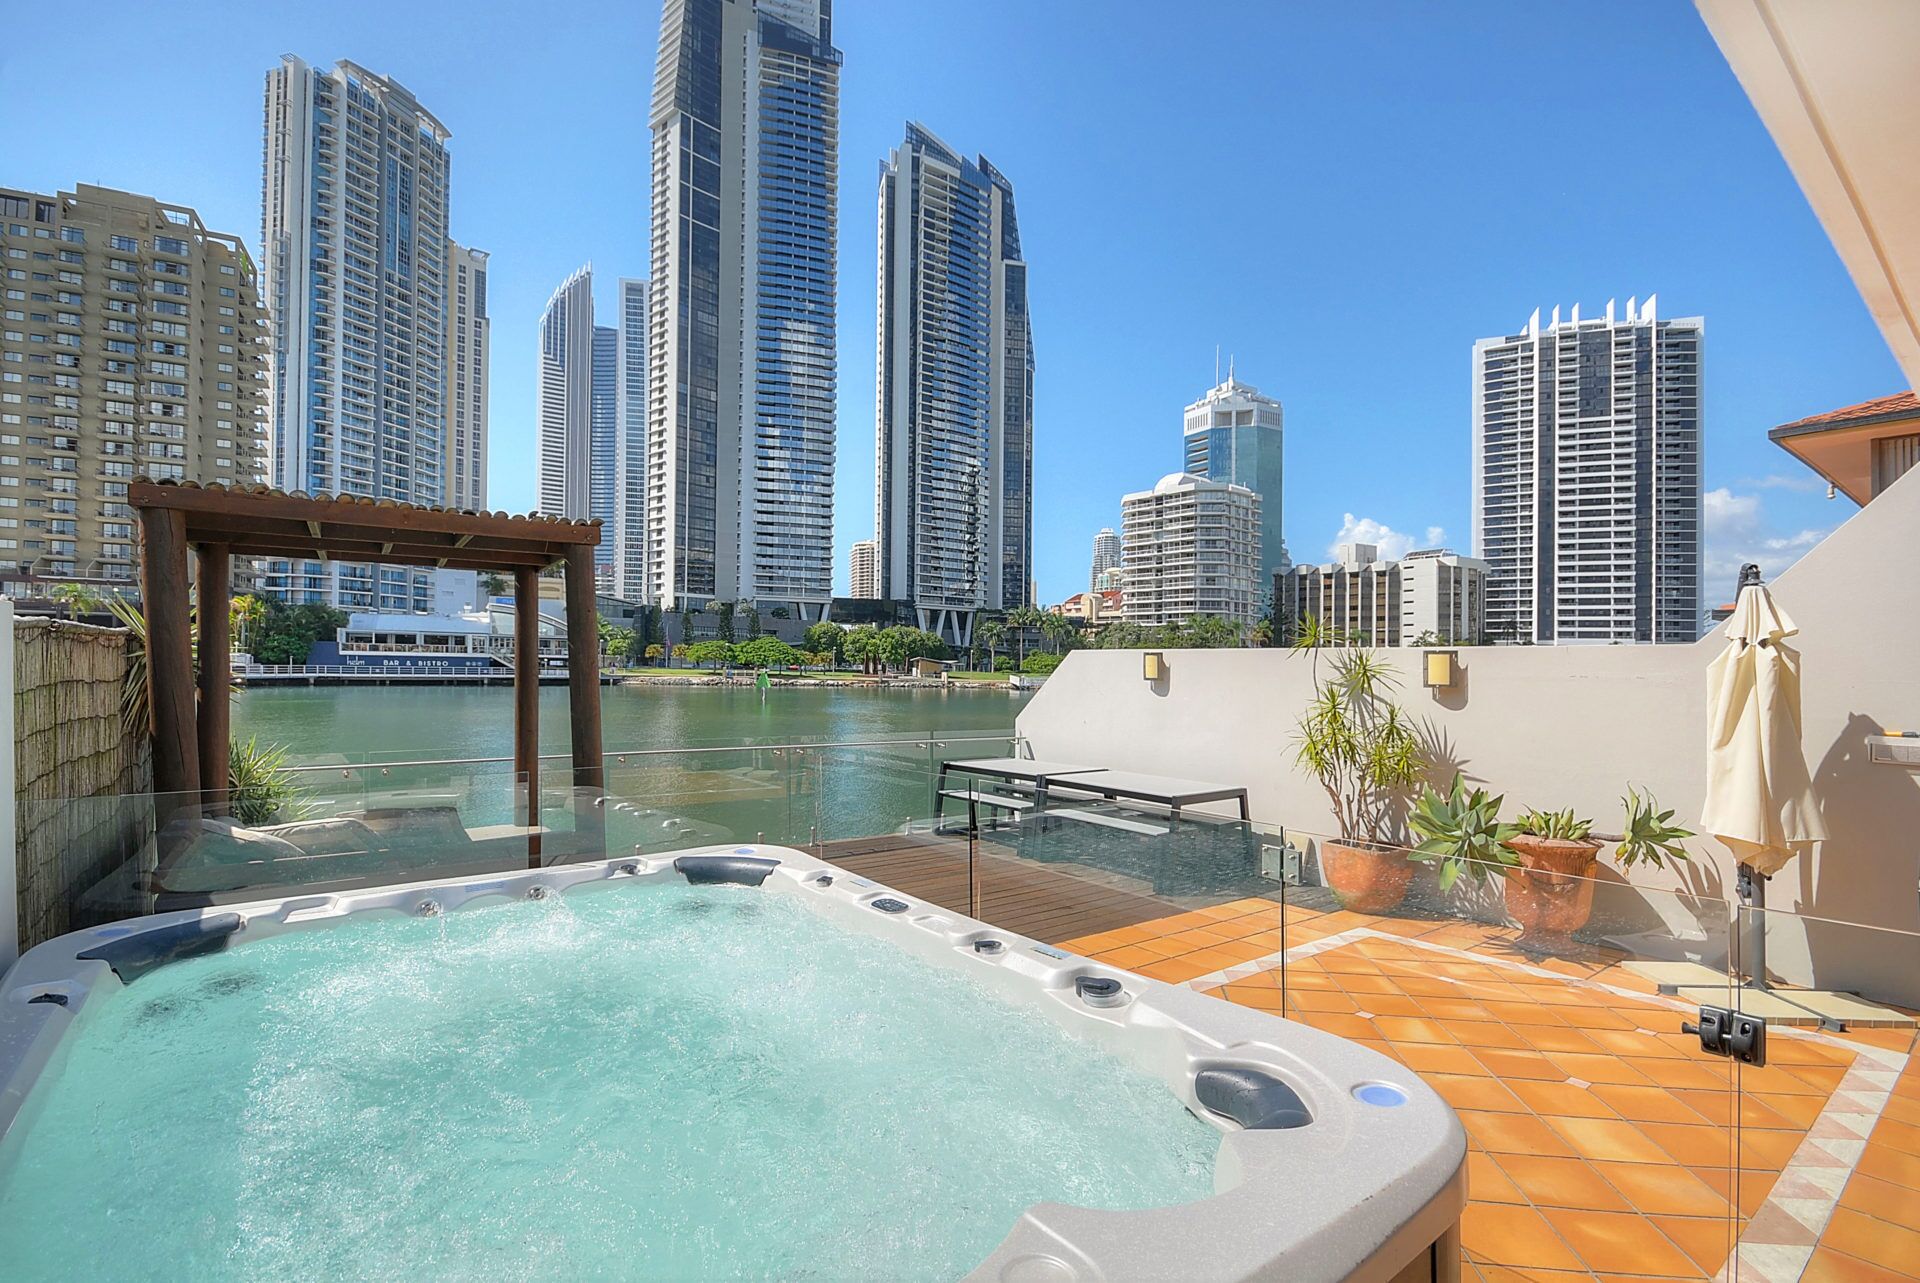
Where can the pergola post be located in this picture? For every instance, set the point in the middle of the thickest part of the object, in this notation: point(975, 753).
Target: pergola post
point(583, 696)
point(216, 672)
point(526, 697)
point(163, 593)
point(583, 668)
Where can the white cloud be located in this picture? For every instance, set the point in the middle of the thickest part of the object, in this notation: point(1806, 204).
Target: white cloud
point(1737, 532)
point(1803, 484)
point(1393, 544)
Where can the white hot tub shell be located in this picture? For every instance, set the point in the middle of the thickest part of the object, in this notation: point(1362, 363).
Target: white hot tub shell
point(1334, 1163)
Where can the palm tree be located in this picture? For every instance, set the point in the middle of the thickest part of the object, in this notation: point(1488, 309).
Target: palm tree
point(244, 613)
point(1057, 629)
point(1024, 618)
point(78, 599)
point(992, 635)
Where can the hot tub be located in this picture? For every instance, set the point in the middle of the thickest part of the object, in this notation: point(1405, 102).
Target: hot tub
point(730, 1062)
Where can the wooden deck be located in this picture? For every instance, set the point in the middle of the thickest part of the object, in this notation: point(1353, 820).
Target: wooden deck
point(1047, 902)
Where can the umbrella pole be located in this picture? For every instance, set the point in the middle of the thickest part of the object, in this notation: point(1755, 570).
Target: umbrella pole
point(1752, 933)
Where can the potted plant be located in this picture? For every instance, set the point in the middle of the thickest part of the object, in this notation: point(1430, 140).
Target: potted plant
point(1462, 833)
point(1357, 743)
point(1552, 890)
point(1651, 836)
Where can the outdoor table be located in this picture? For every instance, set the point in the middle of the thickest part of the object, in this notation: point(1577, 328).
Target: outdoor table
point(1018, 770)
point(1165, 790)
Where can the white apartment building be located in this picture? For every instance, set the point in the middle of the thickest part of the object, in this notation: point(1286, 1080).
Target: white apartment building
point(629, 531)
point(1587, 466)
point(1192, 547)
point(131, 343)
point(863, 563)
point(740, 418)
point(356, 274)
point(953, 490)
point(1433, 596)
point(563, 466)
point(593, 427)
point(1106, 556)
point(469, 336)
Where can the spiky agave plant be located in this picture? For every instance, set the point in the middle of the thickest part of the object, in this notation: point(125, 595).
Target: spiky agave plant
point(260, 788)
point(1650, 836)
point(1462, 832)
point(1559, 826)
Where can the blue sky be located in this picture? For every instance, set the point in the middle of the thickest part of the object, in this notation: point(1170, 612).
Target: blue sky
point(1342, 196)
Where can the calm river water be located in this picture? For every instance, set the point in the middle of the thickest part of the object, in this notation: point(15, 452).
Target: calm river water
point(369, 723)
point(742, 793)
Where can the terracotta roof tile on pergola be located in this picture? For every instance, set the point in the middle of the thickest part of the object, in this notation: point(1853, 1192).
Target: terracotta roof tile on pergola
point(221, 522)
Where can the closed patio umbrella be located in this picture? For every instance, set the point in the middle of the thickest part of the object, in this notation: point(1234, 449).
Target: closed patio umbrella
point(1760, 798)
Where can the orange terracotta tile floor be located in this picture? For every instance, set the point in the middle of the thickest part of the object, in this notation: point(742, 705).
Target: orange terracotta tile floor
point(1602, 1142)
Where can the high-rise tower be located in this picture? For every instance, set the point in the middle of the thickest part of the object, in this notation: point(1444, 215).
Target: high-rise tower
point(1236, 435)
point(740, 421)
point(953, 506)
point(356, 269)
point(468, 343)
point(1587, 477)
point(629, 533)
point(1106, 556)
point(564, 465)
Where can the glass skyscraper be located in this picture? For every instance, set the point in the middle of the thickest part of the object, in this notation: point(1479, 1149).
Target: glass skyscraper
point(740, 421)
point(357, 265)
point(1236, 435)
point(953, 508)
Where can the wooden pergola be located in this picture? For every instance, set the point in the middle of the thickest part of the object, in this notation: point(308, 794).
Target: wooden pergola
point(222, 522)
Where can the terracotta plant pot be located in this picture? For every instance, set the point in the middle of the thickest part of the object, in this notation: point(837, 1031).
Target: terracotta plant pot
point(1365, 879)
point(1551, 893)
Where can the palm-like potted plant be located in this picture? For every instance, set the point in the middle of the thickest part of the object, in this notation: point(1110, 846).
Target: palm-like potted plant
point(1552, 891)
point(1357, 743)
point(1462, 833)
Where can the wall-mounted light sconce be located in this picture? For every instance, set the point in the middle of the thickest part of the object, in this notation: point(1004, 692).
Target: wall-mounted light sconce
point(1153, 666)
point(1442, 669)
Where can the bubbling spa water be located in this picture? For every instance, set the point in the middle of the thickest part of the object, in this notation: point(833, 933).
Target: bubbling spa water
point(664, 1082)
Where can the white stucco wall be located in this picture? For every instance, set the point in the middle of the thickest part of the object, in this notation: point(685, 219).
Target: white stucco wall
point(1572, 726)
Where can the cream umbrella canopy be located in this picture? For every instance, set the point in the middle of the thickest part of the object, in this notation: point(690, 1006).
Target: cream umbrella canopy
point(1760, 798)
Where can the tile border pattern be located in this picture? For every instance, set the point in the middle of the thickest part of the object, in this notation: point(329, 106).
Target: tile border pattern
point(1779, 1239)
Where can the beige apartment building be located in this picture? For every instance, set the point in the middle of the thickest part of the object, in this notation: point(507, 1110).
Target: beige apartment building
point(468, 337)
point(864, 564)
point(131, 344)
point(1432, 596)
